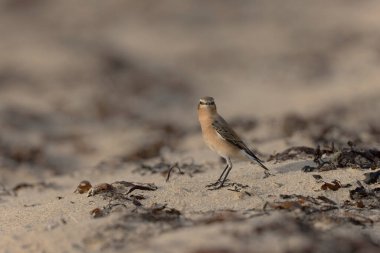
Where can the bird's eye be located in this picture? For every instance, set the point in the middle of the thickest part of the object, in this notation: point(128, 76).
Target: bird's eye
point(206, 103)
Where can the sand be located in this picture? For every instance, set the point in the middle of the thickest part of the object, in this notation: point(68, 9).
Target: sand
point(107, 92)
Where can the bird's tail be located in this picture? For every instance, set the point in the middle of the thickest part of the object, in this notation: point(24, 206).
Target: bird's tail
point(251, 156)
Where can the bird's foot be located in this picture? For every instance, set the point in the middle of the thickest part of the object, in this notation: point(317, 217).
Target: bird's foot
point(215, 186)
point(267, 174)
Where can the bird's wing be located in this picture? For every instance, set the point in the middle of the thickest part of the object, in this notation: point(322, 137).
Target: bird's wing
point(227, 133)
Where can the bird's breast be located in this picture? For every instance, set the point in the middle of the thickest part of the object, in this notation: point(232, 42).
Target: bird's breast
point(218, 144)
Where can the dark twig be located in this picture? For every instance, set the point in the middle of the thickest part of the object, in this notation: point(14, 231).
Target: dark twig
point(175, 165)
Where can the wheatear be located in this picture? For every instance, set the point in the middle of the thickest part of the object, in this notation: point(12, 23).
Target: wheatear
point(220, 138)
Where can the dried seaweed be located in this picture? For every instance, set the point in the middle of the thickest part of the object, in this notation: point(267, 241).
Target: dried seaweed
point(39, 185)
point(166, 168)
point(119, 195)
point(97, 212)
point(334, 185)
point(135, 186)
point(237, 187)
point(119, 189)
point(372, 177)
point(327, 200)
point(318, 209)
point(135, 224)
point(156, 213)
point(175, 165)
point(300, 152)
point(285, 226)
point(83, 187)
point(100, 188)
point(307, 204)
point(358, 158)
point(318, 178)
point(369, 197)
point(346, 157)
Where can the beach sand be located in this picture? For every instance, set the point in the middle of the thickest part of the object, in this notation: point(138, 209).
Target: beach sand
point(107, 92)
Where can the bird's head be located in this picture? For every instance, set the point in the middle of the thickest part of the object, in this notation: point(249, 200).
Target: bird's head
point(207, 104)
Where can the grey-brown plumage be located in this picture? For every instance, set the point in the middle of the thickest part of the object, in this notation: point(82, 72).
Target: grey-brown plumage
point(227, 133)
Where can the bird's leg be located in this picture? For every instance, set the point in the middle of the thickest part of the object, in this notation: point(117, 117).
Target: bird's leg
point(219, 184)
point(229, 165)
point(219, 179)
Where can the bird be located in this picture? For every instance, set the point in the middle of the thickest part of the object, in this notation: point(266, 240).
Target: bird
point(222, 139)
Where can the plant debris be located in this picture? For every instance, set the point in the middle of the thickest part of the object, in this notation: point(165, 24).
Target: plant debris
point(372, 177)
point(307, 204)
point(358, 158)
point(237, 187)
point(160, 212)
point(119, 188)
point(318, 178)
point(100, 188)
point(175, 165)
point(135, 224)
point(97, 212)
point(39, 185)
point(368, 197)
point(83, 187)
point(314, 239)
point(165, 168)
point(334, 185)
point(326, 200)
point(320, 209)
point(346, 157)
point(134, 186)
point(292, 153)
point(119, 195)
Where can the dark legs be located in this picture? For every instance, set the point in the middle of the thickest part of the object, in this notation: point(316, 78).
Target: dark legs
point(222, 179)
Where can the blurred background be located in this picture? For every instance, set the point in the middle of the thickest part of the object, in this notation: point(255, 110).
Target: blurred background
point(81, 81)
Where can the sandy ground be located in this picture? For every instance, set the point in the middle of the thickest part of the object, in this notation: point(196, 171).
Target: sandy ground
point(107, 92)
